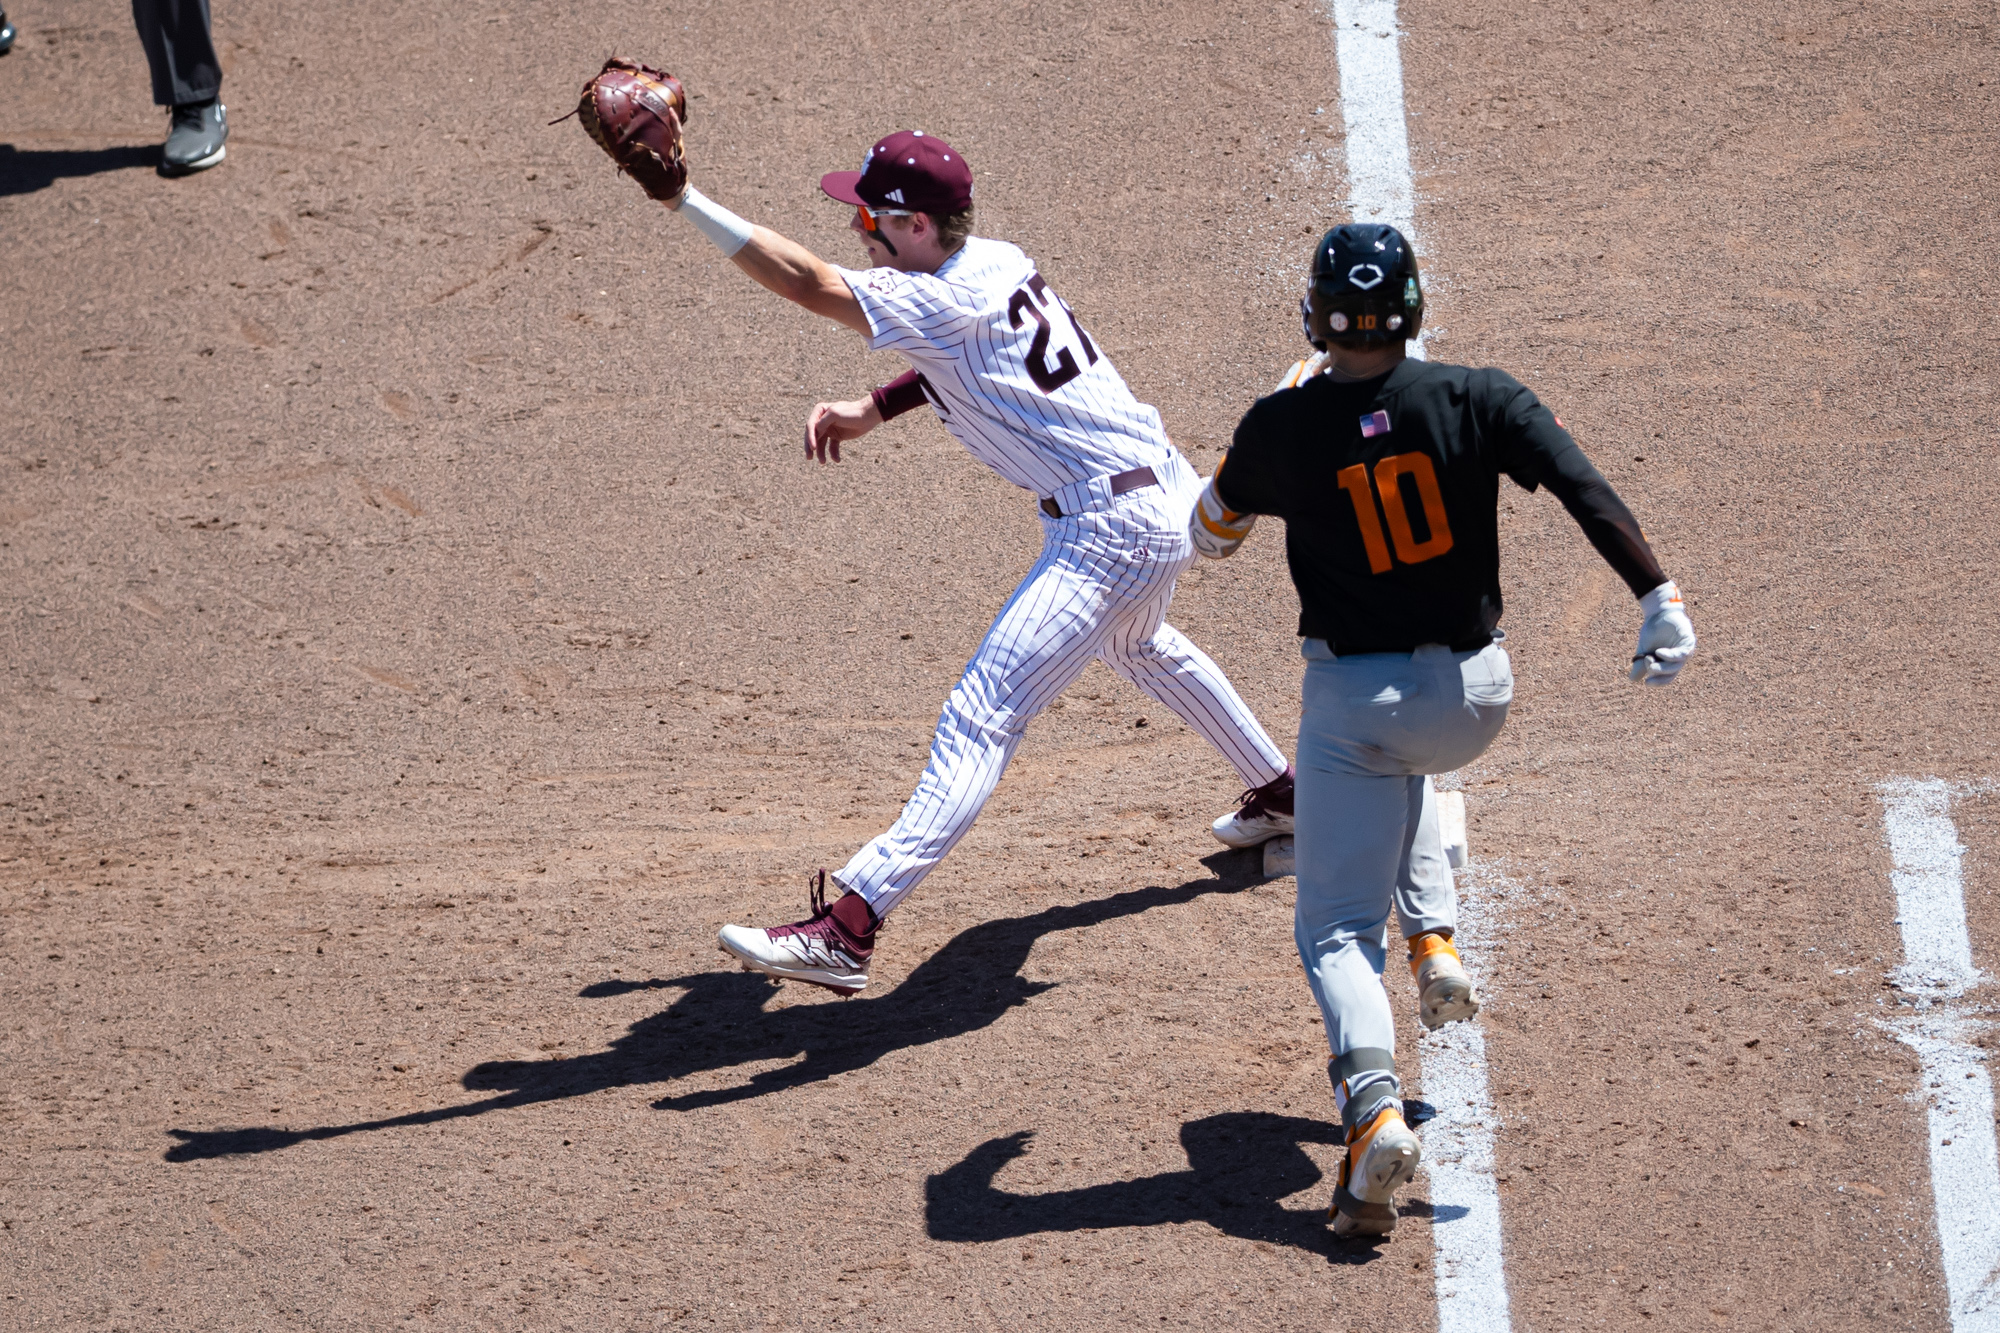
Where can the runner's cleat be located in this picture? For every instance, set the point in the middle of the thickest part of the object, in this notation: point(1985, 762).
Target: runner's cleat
point(1380, 1160)
point(1444, 992)
point(830, 948)
point(1264, 813)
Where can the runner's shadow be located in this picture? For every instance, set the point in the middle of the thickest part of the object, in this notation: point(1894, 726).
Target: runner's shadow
point(24, 171)
point(1241, 1165)
point(721, 1021)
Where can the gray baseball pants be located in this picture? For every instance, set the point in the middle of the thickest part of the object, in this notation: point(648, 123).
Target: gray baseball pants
point(1373, 727)
point(179, 50)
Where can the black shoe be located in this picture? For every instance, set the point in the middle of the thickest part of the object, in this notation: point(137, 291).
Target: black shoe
point(6, 34)
point(195, 143)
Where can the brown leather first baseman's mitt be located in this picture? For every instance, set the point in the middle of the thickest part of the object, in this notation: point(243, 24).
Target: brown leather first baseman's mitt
point(636, 113)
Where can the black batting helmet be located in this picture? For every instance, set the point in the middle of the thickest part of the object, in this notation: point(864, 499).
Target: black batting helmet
point(1365, 290)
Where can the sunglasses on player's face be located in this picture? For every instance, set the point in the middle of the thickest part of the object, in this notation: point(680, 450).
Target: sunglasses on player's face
point(868, 215)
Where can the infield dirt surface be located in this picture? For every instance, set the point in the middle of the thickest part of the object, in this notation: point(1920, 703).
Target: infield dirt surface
point(421, 633)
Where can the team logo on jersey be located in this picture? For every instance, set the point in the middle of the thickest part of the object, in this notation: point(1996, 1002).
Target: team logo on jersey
point(1372, 280)
point(1375, 423)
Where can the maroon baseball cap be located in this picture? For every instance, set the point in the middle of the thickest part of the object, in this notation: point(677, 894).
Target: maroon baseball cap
point(909, 170)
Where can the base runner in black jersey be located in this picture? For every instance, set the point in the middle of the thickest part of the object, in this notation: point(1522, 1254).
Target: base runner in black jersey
point(1386, 471)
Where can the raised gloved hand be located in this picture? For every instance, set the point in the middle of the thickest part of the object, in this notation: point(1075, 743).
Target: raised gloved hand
point(1302, 371)
point(1666, 637)
point(636, 114)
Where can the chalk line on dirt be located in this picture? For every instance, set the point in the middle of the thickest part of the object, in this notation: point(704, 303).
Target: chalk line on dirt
point(1458, 1140)
point(1380, 187)
point(1366, 43)
point(1956, 1087)
point(1465, 1206)
point(1930, 888)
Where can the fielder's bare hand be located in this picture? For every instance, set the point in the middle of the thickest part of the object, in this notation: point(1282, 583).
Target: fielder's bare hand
point(832, 423)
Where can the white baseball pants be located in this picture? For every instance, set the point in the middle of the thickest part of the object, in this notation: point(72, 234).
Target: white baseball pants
point(1100, 590)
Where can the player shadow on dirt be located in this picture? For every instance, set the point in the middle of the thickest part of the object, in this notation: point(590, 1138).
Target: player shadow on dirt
point(720, 1021)
point(1241, 1166)
point(26, 170)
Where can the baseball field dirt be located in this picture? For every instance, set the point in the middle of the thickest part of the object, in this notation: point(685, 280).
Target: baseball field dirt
point(419, 632)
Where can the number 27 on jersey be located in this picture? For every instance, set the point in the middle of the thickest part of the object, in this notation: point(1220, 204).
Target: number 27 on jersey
point(1034, 300)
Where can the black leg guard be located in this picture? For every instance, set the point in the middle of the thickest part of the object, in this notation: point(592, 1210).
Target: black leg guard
point(1361, 1097)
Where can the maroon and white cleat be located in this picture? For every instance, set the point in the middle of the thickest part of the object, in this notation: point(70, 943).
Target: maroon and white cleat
point(830, 948)
point(1265, 813)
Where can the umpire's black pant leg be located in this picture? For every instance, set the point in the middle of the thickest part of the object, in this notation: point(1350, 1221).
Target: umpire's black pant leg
point(178, 47)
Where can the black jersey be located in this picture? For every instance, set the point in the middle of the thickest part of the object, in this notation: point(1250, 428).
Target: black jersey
point(1389, 489)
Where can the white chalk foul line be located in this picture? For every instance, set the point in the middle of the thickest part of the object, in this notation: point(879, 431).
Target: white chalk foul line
point(1956, 1086)
point(1458, 1141)
point(1458, 1145)
point(1925, 857)
point(1380, 188)
point(1366, 42)
point(1465, 1205)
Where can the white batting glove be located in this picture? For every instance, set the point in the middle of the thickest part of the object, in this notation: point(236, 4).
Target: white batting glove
point(1302, 371)
point(1666, 637)
point(1215, 530)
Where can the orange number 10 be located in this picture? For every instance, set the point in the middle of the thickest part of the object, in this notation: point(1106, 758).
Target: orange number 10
point(1389, 474)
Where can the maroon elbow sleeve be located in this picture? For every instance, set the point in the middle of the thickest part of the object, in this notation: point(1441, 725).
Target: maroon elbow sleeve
point(899, 395)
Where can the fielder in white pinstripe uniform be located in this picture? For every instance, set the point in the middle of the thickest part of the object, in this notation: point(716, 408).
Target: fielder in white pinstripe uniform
point(1015, 378)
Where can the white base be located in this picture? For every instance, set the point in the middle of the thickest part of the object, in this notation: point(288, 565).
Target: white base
point(1279, 858)
point(1451, 825)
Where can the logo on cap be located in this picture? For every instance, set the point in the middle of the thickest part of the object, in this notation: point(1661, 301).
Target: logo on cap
point(909, 171)
point(1365, 284)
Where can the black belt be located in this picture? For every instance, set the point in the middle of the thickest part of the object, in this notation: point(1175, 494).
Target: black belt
point(1471, 645)
point(1136, 480)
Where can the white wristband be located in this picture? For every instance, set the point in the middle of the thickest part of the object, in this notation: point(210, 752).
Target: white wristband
point(729, 232)
point(1660, 598)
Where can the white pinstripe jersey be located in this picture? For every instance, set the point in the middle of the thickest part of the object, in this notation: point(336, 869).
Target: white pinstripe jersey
point(1011, 373)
